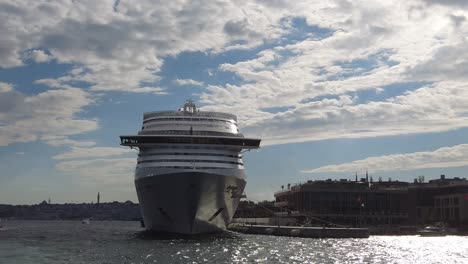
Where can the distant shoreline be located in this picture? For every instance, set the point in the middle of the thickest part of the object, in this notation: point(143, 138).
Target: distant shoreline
point(125, 211)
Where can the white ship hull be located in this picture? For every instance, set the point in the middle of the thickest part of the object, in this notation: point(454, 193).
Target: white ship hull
point(188, 202)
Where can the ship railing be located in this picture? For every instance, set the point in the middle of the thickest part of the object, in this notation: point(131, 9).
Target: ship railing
point(179, 113)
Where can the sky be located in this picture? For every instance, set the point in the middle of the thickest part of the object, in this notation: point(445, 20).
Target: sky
point(333, 88)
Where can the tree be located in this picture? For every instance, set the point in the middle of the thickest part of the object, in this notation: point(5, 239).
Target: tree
point(421, 179)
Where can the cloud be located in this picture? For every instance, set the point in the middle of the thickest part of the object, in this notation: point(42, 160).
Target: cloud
point(121, 47)
point(459, 3)
point(446, 157)
point(97, 165)
point(154, 90)
point(241, 30)
point(182, 82)
point(57, 141)
point(5, 87)
point(448, 62)
point(25, 118)
point(435, 108)
point(111, 171)
point(311, 72)
point(92, 152)
point(236, 28)
point(457, 20)
point(310, 89)
point(40, 56)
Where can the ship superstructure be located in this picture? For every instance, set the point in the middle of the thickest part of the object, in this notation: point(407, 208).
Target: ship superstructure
point(190, 174)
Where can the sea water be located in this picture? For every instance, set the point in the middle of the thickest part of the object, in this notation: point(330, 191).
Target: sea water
point(125, 242)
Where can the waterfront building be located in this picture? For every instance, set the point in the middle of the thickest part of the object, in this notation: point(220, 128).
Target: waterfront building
point(442, 200)
point(347, 202)
point(378, 203)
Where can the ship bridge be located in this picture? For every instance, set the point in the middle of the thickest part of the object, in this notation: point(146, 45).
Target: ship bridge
point(151, 140)
point(189, 125)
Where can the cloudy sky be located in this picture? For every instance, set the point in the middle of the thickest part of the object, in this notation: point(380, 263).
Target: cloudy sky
point(332, 88)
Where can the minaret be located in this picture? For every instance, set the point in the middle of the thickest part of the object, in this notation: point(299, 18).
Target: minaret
point(356, 176)
point(367, 176)
point(98, 197)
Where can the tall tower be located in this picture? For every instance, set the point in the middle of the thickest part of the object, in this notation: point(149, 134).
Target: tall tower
point(98, 197)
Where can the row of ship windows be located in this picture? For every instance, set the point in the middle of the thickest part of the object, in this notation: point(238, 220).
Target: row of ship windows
point(168, 114)
point(172, 147)
point(188, 119)
point(186, 167)
point(191, 154)
point(179, 160)
point(187, 132)
point(185, 125)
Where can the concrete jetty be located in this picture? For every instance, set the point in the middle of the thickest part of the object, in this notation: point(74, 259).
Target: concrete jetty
point(300, 231)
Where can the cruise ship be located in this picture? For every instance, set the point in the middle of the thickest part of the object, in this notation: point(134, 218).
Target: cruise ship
point(190, 174)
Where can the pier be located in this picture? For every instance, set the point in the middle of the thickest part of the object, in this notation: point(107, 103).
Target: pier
point(301, 231)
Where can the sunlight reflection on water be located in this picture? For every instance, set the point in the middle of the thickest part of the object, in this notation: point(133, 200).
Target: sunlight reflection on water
point(120, 242)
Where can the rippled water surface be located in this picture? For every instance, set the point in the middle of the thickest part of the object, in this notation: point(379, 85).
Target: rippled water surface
point(124, 242)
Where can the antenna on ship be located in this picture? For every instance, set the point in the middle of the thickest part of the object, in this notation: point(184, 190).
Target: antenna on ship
point(190, 107)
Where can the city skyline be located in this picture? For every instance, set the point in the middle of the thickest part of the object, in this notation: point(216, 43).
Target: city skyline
point(332, 88)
